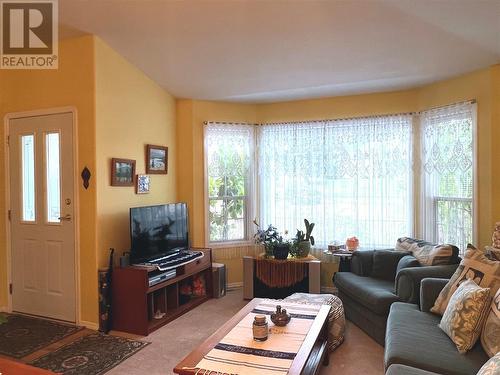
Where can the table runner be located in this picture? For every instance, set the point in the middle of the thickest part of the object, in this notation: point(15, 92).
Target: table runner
point(238, 353)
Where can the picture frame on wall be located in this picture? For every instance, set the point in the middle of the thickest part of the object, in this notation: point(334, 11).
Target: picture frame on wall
point(143, 184)
point(156, 159)
point(122, 172)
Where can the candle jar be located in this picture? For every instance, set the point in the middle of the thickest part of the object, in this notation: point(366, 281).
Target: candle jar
point(260, 328)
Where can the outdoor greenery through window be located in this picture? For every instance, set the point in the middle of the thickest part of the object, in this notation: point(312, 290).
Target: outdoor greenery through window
point(229, 155)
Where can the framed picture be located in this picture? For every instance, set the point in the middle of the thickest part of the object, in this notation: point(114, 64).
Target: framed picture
point(143, 183)
point(156, 159)
point(122, 172)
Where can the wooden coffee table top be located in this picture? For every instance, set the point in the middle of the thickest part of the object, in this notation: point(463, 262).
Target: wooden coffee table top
point(192, 359)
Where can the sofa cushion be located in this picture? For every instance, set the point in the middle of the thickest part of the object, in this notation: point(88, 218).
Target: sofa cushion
point(385, 263)
point(492, 367)
point(414, 339)
point(475, 266)
point(490, 336)
point(406, 370)
point(427, 253)
point(375, 294)
point(463, 319)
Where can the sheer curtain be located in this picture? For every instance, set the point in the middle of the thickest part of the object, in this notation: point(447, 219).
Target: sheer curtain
point(350, 177)
point(229, 159)
point(447, 151)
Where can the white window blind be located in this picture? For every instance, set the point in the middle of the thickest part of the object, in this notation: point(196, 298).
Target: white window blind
point(350, 177)
point(229, 155)
point(447, 151)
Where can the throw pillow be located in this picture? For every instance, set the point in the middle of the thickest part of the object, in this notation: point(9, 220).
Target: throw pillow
point(492, 367)
point(464, 316)
point(385, 263)
point(492, 253)
point(490, 336)
point(475, 266)
point(428, 254)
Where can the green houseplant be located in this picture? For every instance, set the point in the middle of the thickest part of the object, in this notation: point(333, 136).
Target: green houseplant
point(273, 242)
point(304, 240)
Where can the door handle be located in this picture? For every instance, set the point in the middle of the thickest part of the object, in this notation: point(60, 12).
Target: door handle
point(66, 217)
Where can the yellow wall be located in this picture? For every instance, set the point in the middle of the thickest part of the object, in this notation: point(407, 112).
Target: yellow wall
point(131, 111)
point(71, 85)
point(495, 143)
point(483, 85)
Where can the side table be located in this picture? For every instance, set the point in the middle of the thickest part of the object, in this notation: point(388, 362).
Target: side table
point(313, 274)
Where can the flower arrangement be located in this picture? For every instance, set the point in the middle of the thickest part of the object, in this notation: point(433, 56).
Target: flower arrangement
point(271, 239)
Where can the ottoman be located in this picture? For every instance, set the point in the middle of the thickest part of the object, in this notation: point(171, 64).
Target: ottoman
point(336, 318)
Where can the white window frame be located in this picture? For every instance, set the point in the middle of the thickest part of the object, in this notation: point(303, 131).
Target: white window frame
point(419, 211)
point(250, 198)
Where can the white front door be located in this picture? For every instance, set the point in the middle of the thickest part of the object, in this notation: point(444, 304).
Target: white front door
point(42, 210)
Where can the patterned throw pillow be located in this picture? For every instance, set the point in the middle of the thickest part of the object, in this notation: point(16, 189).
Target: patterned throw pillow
point(490, 336)
point(464, 316)
point(475, 266)
point(492, 367)
point(492, 253)
point(428, 254)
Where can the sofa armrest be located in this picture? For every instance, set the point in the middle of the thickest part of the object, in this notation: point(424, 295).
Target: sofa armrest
point(408, 280)
point(429, 291)
point(362, 262)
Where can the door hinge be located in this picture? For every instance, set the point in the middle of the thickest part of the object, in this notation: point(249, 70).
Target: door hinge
point(9, 214)
point(8, 140)
point(10, 288)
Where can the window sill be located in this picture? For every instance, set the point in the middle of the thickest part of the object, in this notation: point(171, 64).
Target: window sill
point(226, 245)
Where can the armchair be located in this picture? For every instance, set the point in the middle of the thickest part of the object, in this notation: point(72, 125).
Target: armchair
point(378, 278)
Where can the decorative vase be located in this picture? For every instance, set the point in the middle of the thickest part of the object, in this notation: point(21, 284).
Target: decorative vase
point(280, 251)
point(304, 247)
point(280, 318)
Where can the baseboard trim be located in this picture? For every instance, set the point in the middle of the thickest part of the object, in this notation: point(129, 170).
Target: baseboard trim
point(89, 325)
point(4, 309)
point(233, 286)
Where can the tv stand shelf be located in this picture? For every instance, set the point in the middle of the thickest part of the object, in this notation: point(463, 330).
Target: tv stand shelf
point(135, 303)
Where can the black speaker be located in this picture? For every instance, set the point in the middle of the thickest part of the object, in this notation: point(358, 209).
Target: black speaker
point(219, 279)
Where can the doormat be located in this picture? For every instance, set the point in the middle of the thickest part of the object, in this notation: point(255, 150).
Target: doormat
point(22, 335)
point(90, 355)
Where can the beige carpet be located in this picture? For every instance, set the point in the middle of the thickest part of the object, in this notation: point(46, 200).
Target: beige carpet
point(359, 354)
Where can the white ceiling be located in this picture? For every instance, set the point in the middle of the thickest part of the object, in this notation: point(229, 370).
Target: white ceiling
point(260, 51)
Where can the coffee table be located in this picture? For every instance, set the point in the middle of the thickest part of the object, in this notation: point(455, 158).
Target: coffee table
point(308, 360)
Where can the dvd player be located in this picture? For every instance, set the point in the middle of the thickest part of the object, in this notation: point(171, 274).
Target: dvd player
point(158, 277)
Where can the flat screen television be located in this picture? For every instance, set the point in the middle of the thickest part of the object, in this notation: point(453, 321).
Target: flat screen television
point(157, 231)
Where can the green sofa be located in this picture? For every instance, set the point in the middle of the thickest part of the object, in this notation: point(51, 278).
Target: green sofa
point(379, 278)
point(414, 340)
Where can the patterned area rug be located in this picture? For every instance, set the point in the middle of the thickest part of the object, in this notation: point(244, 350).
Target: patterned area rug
point(21, 335)
point(90, 355)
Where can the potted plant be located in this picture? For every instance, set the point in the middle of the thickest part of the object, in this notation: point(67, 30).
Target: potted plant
point(304, 240)
point(273, 242)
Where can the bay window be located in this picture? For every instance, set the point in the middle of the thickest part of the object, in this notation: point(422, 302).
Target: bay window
point(377, 178)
